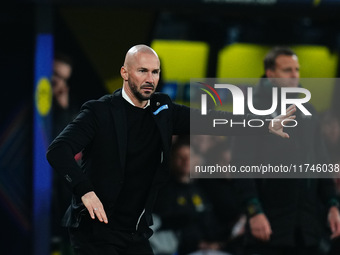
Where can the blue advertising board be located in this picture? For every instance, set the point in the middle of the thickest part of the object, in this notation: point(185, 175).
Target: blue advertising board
point(42, 173)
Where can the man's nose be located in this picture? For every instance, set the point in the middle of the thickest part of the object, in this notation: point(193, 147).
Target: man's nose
point(150, 78)
point(295, 74)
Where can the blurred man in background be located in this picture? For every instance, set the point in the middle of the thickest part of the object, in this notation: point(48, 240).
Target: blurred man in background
point(284, 215)
point(63, 112)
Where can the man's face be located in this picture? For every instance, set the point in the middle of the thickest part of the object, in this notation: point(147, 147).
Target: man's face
point(287, 68)
point(61, 73)
point(143, 75)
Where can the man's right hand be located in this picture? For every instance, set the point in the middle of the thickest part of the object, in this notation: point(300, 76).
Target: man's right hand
point(260, 227)
point(94, 206)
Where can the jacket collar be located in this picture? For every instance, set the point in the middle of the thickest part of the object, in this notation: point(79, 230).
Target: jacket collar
point(120, 122)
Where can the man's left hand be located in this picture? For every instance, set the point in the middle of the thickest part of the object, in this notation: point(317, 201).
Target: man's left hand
point(334, 221)
point(276, 127)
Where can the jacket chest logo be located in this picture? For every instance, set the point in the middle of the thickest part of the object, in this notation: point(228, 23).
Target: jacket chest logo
point(163, 107)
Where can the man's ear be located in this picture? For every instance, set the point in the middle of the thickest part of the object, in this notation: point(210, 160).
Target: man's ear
point(270, 73)
point(124, 73)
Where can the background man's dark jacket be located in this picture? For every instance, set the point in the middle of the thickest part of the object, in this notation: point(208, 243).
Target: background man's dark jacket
point(288, 203)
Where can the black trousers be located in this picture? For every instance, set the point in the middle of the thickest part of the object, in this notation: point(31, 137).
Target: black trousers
point(96, 238)
point(262, 248)
point(265, 250)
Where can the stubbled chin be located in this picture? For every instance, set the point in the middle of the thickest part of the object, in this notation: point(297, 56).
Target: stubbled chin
point(147, 95)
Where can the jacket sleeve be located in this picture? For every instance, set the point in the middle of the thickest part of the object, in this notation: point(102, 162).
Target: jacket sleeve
point(244, 150)
point(326, 186)
point(73, 139)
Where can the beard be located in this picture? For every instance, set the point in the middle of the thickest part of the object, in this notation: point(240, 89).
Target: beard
point(137, 93)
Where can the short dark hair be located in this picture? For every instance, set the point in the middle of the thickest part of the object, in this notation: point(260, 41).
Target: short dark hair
point(62, 57)
point(269, 60)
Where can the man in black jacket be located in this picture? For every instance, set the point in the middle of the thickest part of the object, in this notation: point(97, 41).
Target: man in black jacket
point(284, 214)
point(125, 138)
